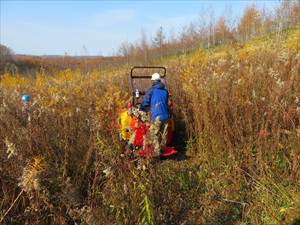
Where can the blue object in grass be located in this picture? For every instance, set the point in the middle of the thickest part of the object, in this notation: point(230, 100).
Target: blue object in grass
point(26, 98)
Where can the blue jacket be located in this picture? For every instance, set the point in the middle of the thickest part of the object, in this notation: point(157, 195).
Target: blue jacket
point(157, 98)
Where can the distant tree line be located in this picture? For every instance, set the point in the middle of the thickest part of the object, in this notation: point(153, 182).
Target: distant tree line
point(6, 60)
point(210, 31)
point(207, 32)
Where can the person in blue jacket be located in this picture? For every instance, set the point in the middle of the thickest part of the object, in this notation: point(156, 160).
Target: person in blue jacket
point(156, 98)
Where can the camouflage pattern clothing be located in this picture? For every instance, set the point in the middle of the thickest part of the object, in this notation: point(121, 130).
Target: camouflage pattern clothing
point(157, 137)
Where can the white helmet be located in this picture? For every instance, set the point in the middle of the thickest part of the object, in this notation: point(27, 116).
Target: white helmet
point(155, 76)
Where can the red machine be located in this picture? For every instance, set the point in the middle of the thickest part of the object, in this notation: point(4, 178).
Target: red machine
point(139, 85)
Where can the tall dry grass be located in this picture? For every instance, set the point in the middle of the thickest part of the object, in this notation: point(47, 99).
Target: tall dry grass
point(237, 109)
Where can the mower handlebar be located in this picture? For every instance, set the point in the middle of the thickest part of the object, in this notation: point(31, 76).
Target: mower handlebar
point(147, 67)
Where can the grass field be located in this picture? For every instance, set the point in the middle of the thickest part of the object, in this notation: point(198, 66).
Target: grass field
point(237, 112)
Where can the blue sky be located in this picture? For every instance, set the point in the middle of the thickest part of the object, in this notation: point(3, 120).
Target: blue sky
point(98, 27)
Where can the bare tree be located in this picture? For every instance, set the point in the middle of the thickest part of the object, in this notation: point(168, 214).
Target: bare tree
point(159, 40)
point(211, 30)
point(287, 15)
point(250, 24)
point(203, 28)
point(125, 50)
point(295, 12)
point(6, 59)
point(222, 32)
point(144, 46)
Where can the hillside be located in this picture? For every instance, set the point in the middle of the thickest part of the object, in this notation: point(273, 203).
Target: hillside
point(237, 109)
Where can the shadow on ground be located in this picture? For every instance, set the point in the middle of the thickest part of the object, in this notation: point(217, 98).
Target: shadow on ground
point(180, 139)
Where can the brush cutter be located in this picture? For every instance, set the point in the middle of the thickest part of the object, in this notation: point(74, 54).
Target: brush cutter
point(134, 125)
